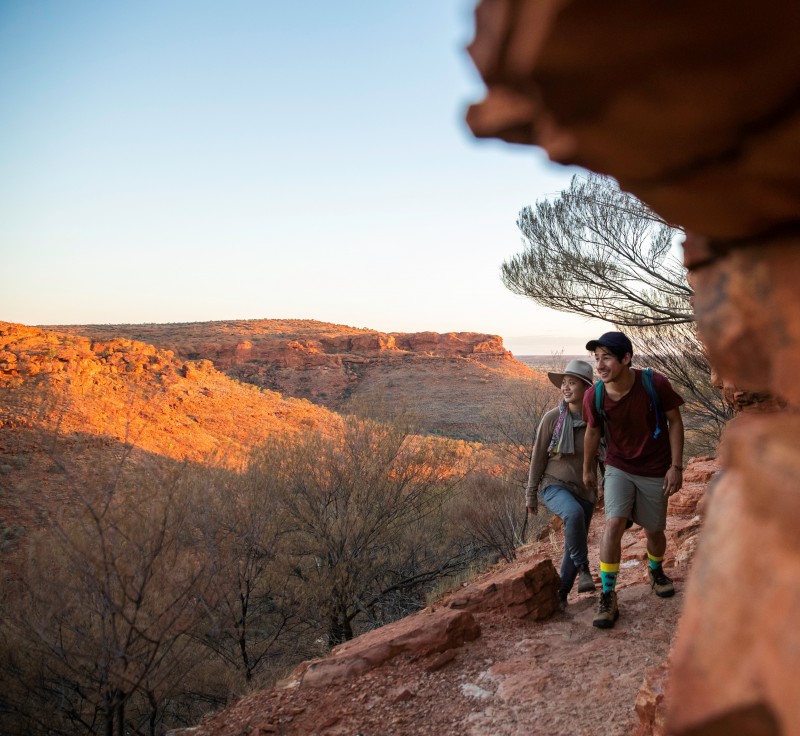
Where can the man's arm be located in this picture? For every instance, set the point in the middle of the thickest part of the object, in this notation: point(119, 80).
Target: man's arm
point(673, 480)
point(591, 443)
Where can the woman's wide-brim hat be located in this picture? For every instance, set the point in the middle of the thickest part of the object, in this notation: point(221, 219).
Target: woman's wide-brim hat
point(578, 368)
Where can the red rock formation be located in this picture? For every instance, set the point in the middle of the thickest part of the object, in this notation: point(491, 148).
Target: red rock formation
point(697, 478)
point(527, 591)
point(651, 703)
point(524, 590)
point(428, 632)
point(701, 125)
point(334, 365)
point(181, 409)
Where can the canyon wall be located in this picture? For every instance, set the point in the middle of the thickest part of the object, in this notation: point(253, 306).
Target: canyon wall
point(348, 369)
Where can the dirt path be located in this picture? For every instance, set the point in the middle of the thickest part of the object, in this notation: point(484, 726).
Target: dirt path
point(561, 676)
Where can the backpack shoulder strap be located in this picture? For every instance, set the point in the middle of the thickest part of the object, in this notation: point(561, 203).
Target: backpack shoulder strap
point(599, 395)
point(647, 380)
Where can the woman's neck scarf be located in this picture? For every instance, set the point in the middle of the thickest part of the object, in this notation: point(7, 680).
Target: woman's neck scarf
point(563, 440)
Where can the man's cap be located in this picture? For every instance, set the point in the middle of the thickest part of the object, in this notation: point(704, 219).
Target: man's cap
point(578, 368)
point(617, 342)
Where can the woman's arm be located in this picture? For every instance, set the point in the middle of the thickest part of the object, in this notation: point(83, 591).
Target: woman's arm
point(539, 458)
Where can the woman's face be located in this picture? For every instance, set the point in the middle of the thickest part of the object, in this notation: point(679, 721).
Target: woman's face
point(573, 389)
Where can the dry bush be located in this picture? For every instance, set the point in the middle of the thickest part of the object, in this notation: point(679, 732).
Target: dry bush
point(511, 427)
point(258, 622)
point(362, 515)
point(104, 602)
point(490, 511)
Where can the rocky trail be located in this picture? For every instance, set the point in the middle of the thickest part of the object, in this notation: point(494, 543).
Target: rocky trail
point(519, 676)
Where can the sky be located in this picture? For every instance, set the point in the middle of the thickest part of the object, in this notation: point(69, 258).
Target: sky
point(187, 160)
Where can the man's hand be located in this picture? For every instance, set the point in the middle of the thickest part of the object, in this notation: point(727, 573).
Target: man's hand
point(590, 479)
point(673, 481)
point(533, 510)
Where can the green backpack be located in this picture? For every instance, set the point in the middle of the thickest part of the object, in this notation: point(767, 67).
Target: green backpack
point(647, 380)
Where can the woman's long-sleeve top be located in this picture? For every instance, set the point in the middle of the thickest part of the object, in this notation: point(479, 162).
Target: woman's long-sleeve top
point(564, 470)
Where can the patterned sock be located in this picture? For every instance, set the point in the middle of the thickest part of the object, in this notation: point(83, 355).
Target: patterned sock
point(608, 575)
point(655, 562)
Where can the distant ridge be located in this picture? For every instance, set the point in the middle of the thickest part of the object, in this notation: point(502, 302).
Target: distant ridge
point(452, 381)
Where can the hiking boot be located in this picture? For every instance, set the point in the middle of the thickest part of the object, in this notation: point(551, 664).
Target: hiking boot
point(660, 583)
point(607, 611)
point(585, 580)
point(562, 602)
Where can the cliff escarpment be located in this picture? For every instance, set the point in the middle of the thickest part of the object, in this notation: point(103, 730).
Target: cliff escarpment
point(350, 369)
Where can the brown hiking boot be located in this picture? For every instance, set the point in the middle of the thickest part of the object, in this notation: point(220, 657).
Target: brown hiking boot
point(585, 580)
point(660, 583)
point(607, 611)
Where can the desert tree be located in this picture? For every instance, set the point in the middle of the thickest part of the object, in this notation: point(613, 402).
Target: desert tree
point(363, 510)
point(101, 609)
point(600, 252)
point(258, 624)
point(510, 427)
point(490, 510)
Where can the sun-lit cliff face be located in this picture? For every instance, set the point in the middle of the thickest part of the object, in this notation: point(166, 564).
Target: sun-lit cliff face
point(349, 369)
point(134, 392)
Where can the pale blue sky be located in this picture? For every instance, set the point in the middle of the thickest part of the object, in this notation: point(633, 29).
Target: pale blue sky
point(186, 160)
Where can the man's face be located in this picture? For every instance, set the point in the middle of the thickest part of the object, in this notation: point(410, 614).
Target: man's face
point(573, 389)
point(608, 366)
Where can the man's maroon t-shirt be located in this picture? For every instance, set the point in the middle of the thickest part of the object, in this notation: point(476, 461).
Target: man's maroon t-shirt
point(631, 424)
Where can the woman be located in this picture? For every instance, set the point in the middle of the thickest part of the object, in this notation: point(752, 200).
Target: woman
point(556, 471)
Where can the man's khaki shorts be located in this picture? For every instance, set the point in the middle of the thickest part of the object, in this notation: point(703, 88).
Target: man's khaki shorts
point(635, 497)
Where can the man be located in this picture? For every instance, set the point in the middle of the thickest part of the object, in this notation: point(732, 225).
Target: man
point(644, 451)
point(556, 471)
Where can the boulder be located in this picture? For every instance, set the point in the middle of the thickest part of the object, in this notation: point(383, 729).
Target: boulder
point(428, 632)
point(528, 590)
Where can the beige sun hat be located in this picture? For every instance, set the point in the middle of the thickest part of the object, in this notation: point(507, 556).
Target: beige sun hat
point(578, 368)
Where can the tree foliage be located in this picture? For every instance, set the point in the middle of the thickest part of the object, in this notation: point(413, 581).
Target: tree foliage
point(363, 517)
point(104, 602)
point(600, 252)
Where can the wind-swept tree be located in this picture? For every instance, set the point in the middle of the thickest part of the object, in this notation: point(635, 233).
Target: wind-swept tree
point(600, 252)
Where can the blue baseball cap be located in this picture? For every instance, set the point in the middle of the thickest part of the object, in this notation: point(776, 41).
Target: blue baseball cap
point(617, 342)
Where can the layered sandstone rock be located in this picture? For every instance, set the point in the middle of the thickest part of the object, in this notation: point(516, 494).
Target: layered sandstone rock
point(523, 590)
point(691, 105)
point(347, 369)
point(423, 634)
point(527, 591)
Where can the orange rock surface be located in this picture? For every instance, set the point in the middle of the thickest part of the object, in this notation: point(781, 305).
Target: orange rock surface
point(346, 369)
